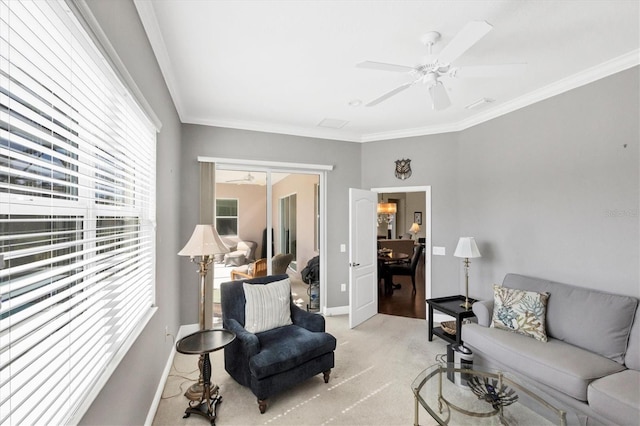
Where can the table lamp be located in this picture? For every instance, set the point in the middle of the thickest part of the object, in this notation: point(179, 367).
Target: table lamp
point(203, 244)
point(466, 249)
point(415, 228)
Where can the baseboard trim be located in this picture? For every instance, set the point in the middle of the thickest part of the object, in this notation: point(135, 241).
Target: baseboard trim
point(338, 310)
point(184, 330)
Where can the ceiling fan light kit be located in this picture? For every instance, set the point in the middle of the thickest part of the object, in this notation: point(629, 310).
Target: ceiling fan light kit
point(430, 72)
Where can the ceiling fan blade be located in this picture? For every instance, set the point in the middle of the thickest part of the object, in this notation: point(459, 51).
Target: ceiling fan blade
point(439, 97)
point(467, 37)
point(384, 66)
point(503, 70)
point(390, 94)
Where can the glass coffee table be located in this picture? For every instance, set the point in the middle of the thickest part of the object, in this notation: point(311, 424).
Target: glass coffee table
point(455, 395)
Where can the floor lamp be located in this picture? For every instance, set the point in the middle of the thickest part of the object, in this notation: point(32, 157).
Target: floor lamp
point(201, 247)
point(466, 249)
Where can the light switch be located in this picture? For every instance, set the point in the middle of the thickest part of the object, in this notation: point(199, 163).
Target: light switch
point(343, 248)
point(439, 251)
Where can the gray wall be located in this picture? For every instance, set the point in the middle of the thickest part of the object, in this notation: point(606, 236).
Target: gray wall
point(249, 145)
point(128, 394)
point(549, 190)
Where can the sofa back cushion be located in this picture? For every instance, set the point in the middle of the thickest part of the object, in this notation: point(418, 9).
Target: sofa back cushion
point(596, 321)
point(632, 358)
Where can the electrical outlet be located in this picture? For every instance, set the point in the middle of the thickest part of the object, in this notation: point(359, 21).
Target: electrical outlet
point(166, 332)
point(343, 287)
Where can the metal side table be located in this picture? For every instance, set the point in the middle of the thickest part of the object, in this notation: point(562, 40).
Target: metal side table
point(202, 343)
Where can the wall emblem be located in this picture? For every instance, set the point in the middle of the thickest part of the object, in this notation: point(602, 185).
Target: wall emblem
point(403, 169)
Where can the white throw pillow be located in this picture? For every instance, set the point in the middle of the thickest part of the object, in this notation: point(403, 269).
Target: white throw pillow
point(267, 306)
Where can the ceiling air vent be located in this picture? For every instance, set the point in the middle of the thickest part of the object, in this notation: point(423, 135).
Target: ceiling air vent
point(332, 123)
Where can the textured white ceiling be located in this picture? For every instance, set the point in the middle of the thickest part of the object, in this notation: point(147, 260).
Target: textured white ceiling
point(285, 66)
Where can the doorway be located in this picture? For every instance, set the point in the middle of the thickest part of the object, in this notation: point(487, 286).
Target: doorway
point(270, 182)
point(411, 221)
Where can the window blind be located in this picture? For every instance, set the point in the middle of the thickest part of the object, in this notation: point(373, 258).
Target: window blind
point(77, 206)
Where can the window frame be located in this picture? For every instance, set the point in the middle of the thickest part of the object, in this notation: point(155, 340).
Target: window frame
point(88, 34)
point(236, 217)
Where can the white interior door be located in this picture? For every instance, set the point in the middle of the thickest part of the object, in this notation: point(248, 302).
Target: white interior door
point(363, 261)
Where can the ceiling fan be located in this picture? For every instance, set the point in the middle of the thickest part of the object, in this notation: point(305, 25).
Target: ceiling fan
point(430, 73)
point(246, 179)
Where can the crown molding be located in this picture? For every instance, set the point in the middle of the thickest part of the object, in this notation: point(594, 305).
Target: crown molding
point(150, 23)
point(339, 135)
point(606, 69)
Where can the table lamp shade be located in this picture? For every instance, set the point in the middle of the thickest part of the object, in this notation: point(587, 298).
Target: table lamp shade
point(467, 248)
point(204, 241)
point(415, 228)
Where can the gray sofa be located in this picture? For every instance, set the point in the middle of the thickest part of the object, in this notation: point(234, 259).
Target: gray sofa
point(591, 361)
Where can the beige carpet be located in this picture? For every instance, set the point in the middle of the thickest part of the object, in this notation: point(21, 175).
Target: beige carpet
point(370, 384)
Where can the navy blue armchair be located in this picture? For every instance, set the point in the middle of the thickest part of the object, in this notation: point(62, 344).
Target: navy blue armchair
point(272, 361)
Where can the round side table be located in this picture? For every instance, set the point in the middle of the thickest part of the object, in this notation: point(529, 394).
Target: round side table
point(202, 343)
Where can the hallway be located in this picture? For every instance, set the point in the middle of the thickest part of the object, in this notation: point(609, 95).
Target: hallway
point(403, 302)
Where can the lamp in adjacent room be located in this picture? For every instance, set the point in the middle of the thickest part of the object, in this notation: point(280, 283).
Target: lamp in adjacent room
point(415, 228)
point(203, 244)
point(467, 249)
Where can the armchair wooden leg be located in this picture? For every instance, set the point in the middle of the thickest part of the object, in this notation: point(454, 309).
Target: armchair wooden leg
point(326, 375)
point(262, 405)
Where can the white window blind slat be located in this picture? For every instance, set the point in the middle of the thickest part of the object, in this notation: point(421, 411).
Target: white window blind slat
point(77, 204)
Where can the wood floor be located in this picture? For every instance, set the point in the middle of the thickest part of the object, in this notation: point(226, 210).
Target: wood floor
point(404, 302)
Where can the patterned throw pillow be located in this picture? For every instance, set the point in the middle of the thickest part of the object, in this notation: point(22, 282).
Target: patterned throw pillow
point(267, 305)
point(520, 311)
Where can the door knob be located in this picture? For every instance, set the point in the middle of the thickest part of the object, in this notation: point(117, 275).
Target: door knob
point(354, 264)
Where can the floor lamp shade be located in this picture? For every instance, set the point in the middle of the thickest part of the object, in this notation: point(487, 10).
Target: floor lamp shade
point(204, 241)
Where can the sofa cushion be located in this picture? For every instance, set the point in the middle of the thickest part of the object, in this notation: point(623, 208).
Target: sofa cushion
point(596, 321)
point(617, 397)
point(287, 347)
point(267, 306)
point(520, 311)
point(557, 364)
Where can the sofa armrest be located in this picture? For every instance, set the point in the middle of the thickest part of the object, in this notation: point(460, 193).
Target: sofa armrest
point(483, 310)
point(308, 320)
point(249, 341)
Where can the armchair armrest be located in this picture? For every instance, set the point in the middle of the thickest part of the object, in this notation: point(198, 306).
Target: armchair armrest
point(483, 309)
point(308, 320)
point(249, 341)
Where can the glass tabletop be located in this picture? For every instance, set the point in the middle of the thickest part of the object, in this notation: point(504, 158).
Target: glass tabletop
point(454, 394)
point(205, 341)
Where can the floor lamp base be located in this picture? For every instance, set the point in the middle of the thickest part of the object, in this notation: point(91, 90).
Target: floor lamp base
point(194, 393)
